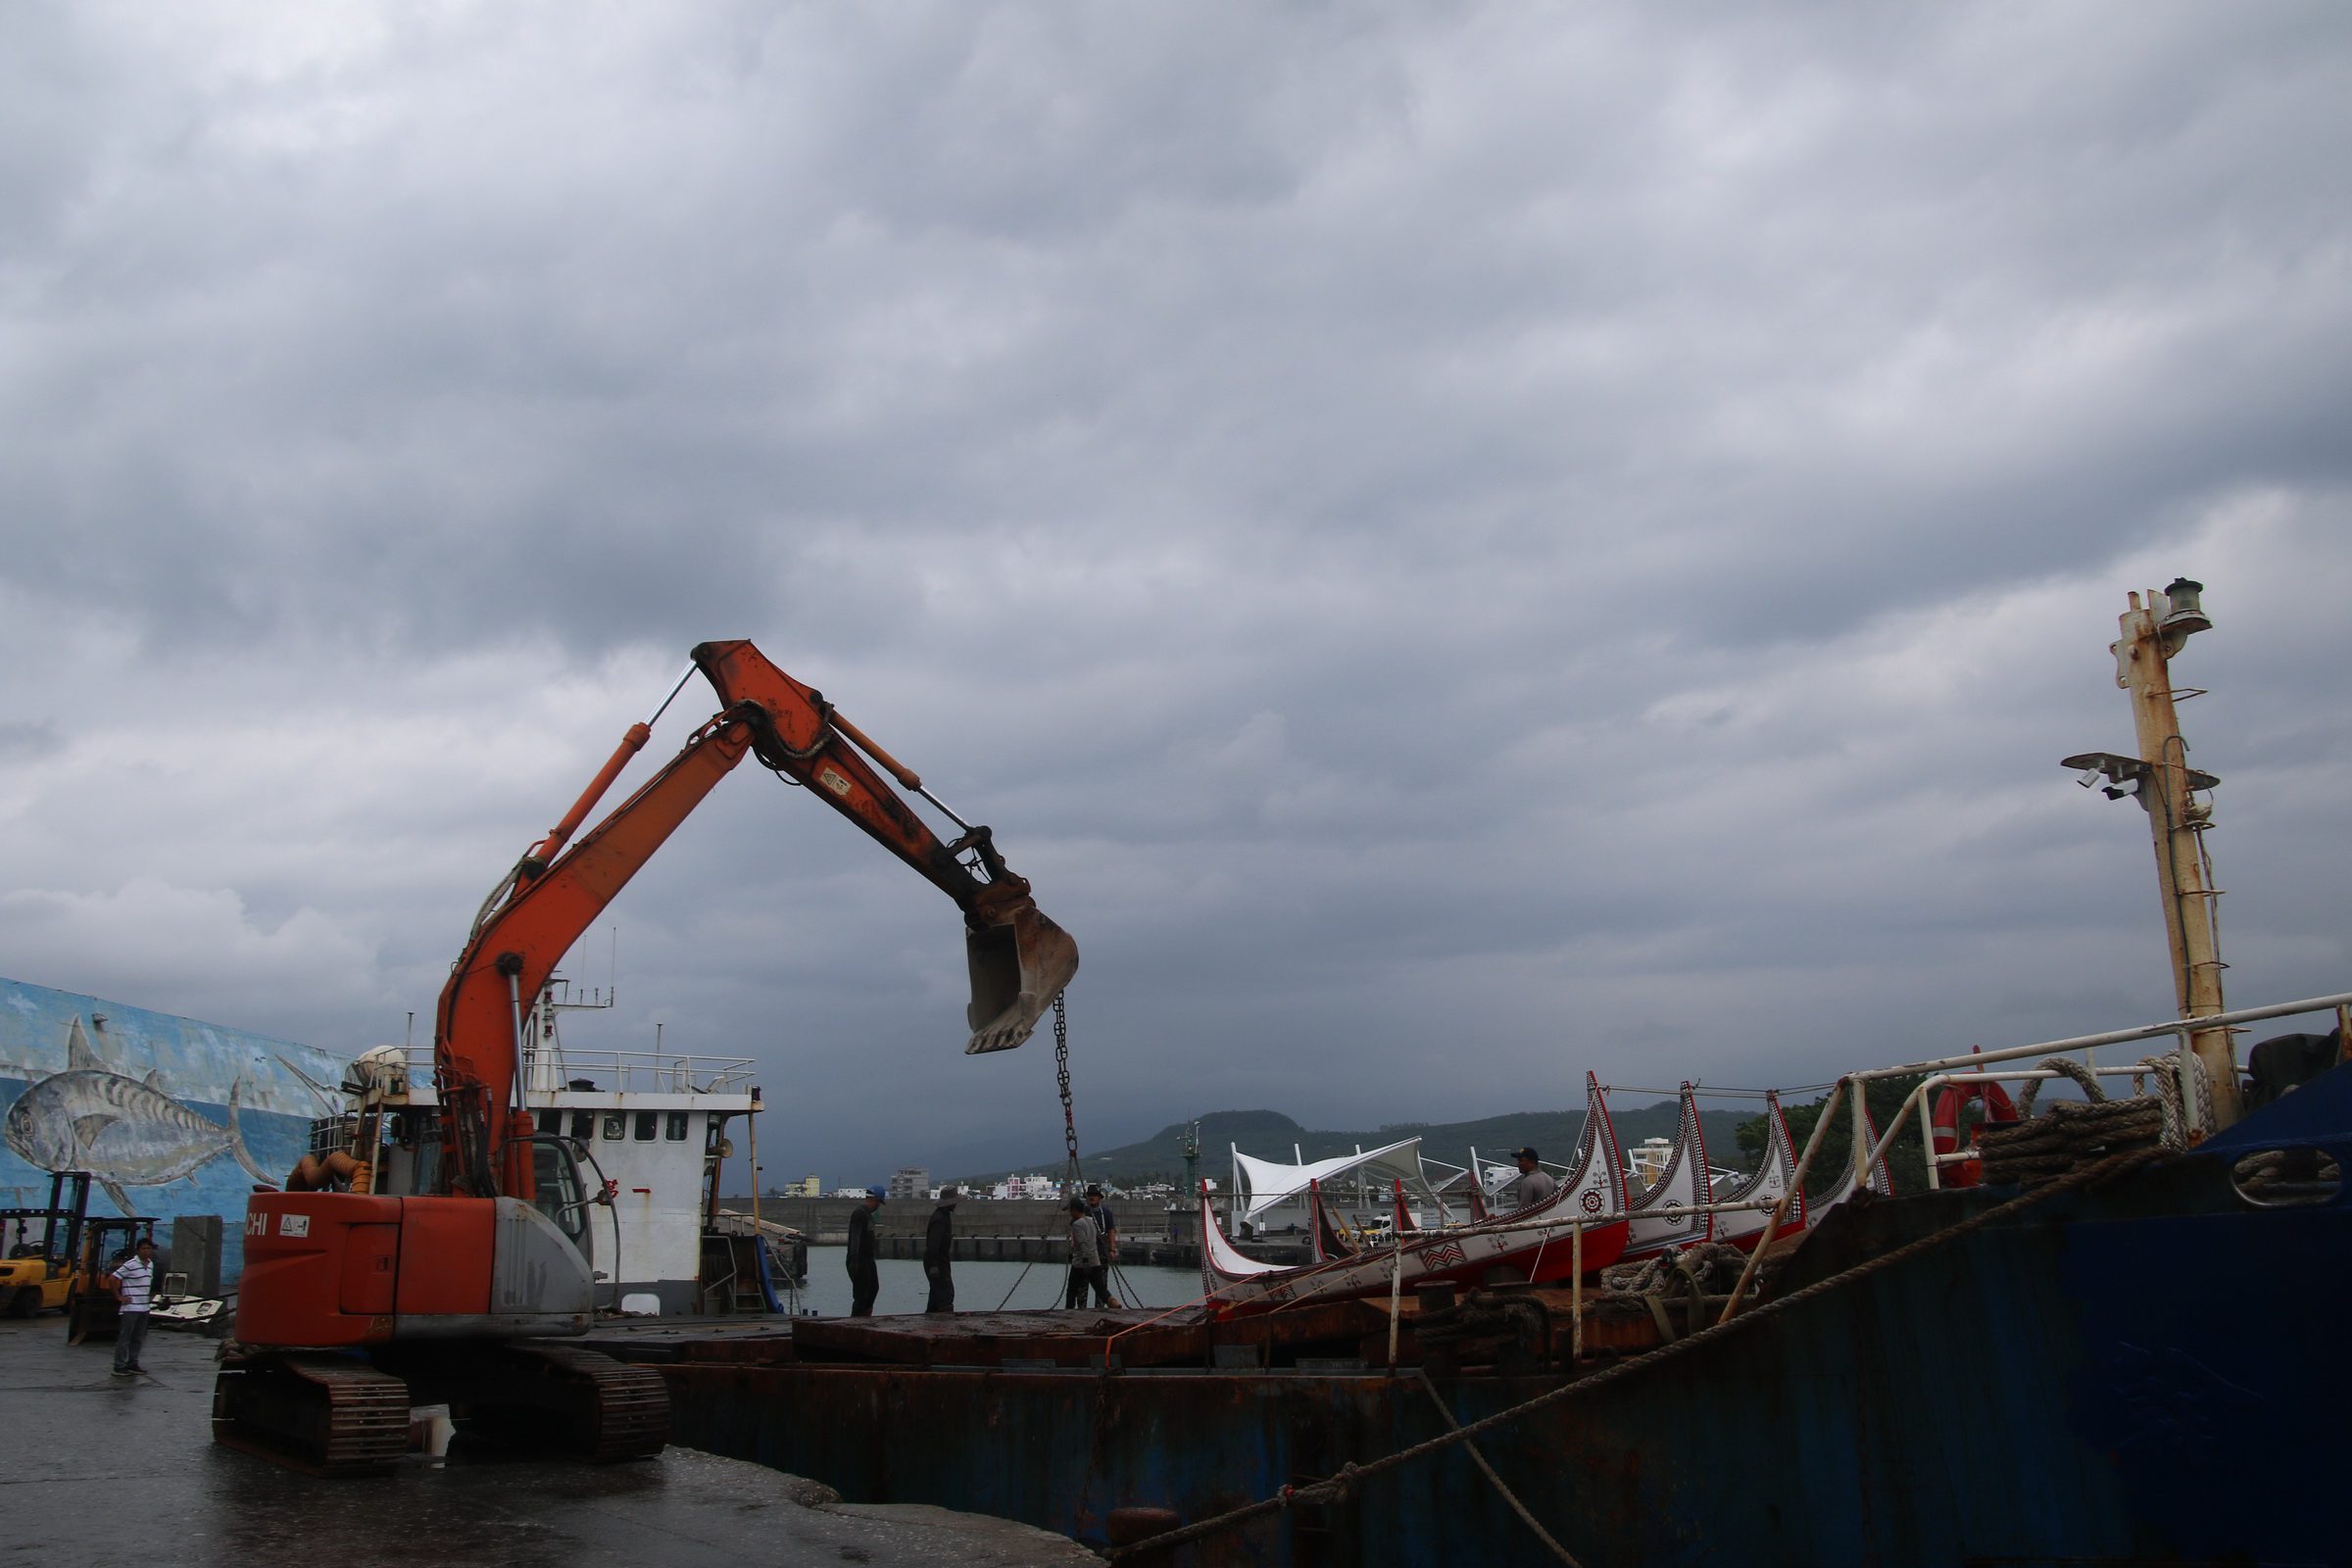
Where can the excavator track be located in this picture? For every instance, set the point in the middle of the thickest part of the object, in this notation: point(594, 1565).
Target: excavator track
point(610, 1410)
point(320, 1414)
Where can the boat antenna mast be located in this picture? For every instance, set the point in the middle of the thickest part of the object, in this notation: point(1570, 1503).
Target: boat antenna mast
point(2170, 792)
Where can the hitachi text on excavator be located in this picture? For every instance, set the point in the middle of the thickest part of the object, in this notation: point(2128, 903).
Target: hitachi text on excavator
point(356, 1304)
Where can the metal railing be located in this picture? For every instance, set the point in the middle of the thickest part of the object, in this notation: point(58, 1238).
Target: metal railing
point(1970, 1068)
point(556, 1068)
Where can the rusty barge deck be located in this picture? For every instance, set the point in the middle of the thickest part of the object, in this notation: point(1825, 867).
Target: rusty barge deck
point(2019, 1389)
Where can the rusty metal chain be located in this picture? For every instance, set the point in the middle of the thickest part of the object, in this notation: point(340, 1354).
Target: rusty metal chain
point(1062, 1073)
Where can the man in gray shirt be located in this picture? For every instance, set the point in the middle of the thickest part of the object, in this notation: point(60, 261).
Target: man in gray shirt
point(1086, 1258)
point(1534, 1182)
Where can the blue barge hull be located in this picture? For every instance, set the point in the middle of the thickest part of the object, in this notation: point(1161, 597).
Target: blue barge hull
point(2146, 1373)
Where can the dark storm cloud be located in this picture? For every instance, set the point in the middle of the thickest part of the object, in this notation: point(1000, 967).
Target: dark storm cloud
point(1527, 541)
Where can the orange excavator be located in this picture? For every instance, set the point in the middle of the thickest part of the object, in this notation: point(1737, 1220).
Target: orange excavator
point(356, 1305)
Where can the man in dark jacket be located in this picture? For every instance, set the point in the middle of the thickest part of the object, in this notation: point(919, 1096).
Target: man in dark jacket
point(865, 1278)
point(939, 1247)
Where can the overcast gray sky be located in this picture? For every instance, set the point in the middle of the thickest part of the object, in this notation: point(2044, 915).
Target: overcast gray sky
point(1454, 545)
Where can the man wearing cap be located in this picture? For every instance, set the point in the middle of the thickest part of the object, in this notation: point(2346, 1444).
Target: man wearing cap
point(1107, 1235)
point(865, 1278)
point(1534, 1182)
point(939, 1247)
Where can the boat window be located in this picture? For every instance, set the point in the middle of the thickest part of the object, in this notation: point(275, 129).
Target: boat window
point(616, 1126)
point(551, 1122)
point(646, 1120)
point(583, 1126)
point(674, 1127)
point(710, 1135)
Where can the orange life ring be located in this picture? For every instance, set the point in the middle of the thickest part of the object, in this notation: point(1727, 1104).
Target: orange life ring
point(1943, 1120)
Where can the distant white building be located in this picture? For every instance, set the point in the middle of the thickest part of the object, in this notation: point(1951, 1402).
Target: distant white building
point(909, 1182)
point(1017, 1187)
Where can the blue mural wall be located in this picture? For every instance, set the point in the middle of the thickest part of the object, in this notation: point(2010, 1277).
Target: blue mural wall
point(170, 1115)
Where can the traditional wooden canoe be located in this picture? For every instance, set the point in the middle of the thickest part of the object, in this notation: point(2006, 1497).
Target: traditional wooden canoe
point(1661, 1217)
point(1744, 1228)
point(1533, 1243)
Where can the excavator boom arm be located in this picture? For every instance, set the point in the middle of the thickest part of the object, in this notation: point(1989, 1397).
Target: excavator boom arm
point(792, 732)
point(491, 995)
point(1020, 959)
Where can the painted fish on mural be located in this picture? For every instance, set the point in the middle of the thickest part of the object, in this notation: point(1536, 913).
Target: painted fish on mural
point(127, 1132)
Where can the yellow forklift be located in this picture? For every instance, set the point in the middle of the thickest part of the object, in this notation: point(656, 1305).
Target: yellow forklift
point(42, 1246)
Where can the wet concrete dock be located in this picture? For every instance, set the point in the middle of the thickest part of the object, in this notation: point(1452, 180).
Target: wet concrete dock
point(107, 1470)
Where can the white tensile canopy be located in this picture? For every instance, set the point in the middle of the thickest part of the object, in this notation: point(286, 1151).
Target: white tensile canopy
point(1260, 1185)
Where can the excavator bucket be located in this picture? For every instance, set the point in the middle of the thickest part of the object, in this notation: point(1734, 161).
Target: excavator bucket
point(1019, 965)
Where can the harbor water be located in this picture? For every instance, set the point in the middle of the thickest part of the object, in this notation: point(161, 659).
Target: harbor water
point(982, 1286)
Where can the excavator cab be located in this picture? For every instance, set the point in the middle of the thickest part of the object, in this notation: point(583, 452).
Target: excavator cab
point(1018, 968)
point(560, 1192)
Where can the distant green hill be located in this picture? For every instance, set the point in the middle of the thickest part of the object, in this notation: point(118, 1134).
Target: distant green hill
point(1270, 1134)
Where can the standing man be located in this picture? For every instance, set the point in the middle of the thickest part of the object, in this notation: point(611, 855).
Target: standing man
point(939, 1248)
point(865, 1279)
point(1534, 1182)
point(1086, 1257)
point(132, 1282)
point(1108, 1224)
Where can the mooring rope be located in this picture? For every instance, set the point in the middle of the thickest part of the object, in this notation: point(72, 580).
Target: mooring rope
point(2066, 1068)
point(1336, 1488)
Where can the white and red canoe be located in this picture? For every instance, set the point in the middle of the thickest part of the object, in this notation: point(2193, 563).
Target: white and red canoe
point(1744, 1228)
point(1662, 1217)
point(1533, 1243)
point(1496, 1247)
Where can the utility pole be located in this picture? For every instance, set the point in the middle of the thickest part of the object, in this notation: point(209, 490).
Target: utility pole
point(2167, 789)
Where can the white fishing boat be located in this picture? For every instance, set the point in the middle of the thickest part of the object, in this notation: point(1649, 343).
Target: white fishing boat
point(652, 1125)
